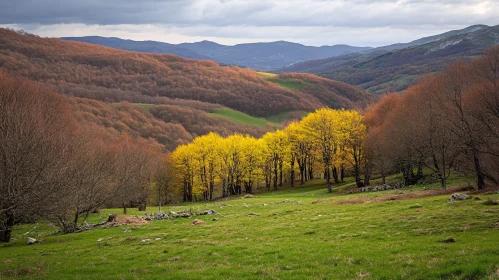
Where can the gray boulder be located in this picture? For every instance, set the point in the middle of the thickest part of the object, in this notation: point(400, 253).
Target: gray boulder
point(208, 212)
point(458, 196)
point(32, 241)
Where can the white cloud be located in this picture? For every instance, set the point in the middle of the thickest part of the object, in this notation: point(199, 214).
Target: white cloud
point(313, 22)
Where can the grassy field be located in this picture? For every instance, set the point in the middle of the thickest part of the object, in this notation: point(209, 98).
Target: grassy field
point(239, 117)
point(299, 233)
point(285, 83)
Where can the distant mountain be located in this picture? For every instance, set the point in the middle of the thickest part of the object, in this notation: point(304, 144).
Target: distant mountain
point(262, 56)
point(429, 39)
point(139, 46)
point(394, 70)
point(267, 56)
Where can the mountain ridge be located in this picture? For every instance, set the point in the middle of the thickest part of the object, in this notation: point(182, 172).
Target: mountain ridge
point(261, 55)
point(380, 71)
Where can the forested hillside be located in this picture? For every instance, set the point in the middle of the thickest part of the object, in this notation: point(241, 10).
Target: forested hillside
point(262, 56)
point(91, 71)
point(384, 70)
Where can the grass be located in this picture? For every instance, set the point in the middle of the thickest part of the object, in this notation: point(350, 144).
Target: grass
point(238, 117)
point(284, 116)
point(279, 235)
point(285, 83)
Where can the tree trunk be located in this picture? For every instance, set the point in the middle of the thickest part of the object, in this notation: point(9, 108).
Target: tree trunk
point(479, 173)
point(335, 175)
point(6, 227)
point(342, 174)
point(280, 173)
point(328, 180)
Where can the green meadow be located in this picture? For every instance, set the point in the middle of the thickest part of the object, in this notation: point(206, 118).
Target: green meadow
point(238, 117)
point(293, 233)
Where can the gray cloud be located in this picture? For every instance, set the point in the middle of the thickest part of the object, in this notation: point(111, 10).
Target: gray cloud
point(250, 19)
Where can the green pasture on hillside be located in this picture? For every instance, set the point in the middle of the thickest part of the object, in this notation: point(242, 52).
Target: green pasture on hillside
point(293, 233)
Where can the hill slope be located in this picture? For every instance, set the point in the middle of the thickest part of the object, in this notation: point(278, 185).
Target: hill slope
point(139, 46)
point(383, 70)
point(263, 56)
point(111, 75)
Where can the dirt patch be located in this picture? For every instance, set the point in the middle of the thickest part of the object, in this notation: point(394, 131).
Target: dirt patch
point(197, 222)
point(317, 201)
point(130, 220)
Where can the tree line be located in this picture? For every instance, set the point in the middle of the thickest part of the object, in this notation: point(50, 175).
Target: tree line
point(326, 142)
point(447, 122)
point(56, 168)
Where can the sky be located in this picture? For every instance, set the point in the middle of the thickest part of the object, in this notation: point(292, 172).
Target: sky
point(310, 22)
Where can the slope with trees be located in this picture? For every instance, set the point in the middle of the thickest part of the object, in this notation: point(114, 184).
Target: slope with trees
point(394, 68)
point(110, 75)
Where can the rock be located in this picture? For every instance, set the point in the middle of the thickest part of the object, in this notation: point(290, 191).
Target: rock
point(300, 203)
point(448, 240)
point(100, 239)
point(145, 240)
point(214, 219)
point(127, 230)
point(458, 196)
point(157, 239)
point(32, 241)
point(180, 214)
point(198, 222)
point(161, 216)
point(264, 204)
point(208, 212)
point(248, 196)
point(490, 202)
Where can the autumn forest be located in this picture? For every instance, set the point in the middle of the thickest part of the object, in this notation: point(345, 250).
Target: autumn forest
point(86, 128)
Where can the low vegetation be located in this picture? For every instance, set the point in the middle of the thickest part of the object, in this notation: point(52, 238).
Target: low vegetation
point(239, 117)
point(277, 235)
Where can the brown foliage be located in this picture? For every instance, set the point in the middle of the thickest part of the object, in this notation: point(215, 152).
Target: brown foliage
point(110, 75)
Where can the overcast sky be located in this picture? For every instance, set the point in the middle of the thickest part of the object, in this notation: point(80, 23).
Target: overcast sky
point(310, 22)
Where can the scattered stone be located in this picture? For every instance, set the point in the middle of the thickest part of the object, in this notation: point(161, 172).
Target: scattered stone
point(183, 214)
point(245, 205)
point(157, 239)
point(162, 216)
point(448, 240)
point(458, 196)
point(32, 241)
point(300, 203)
point(208, 212)
point(490, 202)
point(127, 230)
point(100, 239)
point(248, 196)
point(264, 204)
point(198, 222)
point(145, 240)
